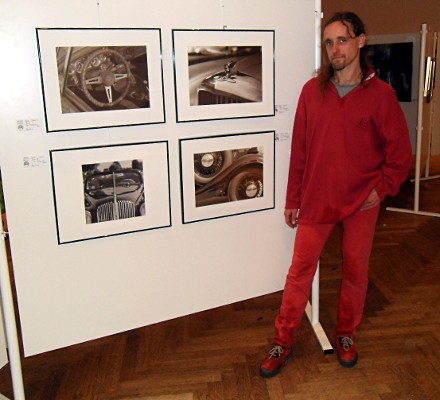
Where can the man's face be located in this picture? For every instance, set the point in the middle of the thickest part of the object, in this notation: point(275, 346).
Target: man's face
point(342, 45)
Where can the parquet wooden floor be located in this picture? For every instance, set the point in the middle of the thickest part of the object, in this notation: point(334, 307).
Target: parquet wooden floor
point(214, 355)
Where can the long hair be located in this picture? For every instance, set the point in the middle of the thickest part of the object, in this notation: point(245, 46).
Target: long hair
point(354, 23)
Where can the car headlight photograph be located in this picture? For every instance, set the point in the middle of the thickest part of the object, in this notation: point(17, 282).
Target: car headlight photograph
point(225, 176)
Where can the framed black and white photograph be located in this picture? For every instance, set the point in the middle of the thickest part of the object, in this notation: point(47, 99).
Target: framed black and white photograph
point(221, 74)
point(94, 78)
point(227, 175)
point(110, 190)
point(393, 62)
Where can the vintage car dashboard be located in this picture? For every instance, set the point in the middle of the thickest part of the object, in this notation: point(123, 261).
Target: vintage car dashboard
point(103, 78)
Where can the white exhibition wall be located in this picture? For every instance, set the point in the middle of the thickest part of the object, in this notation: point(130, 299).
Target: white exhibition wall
point(78, 291)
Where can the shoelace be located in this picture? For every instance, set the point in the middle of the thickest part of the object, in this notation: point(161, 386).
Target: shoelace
point(276, 351)
point(346, 342)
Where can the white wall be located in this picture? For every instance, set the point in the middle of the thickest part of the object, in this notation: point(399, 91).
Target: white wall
point(80, 291)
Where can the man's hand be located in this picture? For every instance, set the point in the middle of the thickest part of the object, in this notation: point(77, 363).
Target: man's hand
point(372, 201)
point(290, 217)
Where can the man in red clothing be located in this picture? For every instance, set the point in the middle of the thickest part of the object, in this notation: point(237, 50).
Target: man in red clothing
point(350, 148)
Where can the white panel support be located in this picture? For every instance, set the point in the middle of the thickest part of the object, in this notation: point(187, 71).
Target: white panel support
point(417, 179)
point(315, 298)
point(420, 118)
point(10, 323)
point(318, 18)
point(312, 308)
point(418, 212)
point(312, 312)
point(325, 344)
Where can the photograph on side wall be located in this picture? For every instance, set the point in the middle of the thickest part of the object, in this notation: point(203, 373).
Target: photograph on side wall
point(110, 190)
point(93, 78)
point(227, 175)
point(393, 63)
point(221, 74)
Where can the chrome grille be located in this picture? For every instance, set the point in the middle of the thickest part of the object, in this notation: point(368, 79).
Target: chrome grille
point(119, 210)
point(210, 98)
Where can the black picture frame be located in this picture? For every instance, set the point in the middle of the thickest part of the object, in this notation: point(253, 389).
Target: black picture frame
point(100, 77)
point(223, 74)
point(110, 190)
point(227, 175)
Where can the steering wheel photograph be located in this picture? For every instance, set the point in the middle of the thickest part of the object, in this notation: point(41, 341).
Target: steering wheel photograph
point(103, 78)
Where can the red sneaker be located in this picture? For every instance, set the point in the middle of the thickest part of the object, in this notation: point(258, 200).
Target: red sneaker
point(346, 351)
point(274, 362)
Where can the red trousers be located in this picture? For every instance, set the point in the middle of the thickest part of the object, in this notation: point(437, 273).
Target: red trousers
point(357, 242)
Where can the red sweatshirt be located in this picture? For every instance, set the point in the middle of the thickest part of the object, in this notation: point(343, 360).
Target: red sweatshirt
point(343, 148)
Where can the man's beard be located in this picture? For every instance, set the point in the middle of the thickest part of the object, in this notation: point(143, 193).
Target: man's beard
point(338, 67)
